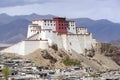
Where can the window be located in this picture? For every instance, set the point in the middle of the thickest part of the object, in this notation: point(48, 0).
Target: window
point(69, 28)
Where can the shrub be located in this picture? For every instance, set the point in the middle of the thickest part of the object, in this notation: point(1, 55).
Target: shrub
point(69, 62)
point(46, 55)
point(55, 47)
point(93, 75)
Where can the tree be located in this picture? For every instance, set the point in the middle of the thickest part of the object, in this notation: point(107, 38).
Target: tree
point(6, 72)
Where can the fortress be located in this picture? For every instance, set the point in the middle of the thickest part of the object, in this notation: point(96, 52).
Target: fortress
point(44, 33)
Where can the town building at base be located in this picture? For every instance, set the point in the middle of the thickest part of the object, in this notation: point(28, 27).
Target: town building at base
point(44, 33)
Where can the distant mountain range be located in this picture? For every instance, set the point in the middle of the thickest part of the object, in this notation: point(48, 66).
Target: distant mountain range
point(14, 28)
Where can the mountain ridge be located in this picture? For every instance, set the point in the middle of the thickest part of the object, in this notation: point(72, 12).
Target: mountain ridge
point(103, 30)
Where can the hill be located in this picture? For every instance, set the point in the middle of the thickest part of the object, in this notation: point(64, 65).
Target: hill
point(34, 16)
point(14, 31)
point(5, 18)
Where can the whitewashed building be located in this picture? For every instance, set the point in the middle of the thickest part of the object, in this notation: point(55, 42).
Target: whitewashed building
point(43, 33)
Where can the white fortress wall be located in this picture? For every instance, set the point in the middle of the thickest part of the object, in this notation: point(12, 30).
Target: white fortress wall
point(59, 42)
point(33, 45)
point(78, 42)
point(56, 39)
point(18, 48)
point(43, 44)
point(43, 34)
point(90, 42)
point(74, 43)
point(52, 37)
point(94, 42)
point(26, 47)
point(46, 35)
point(81, 38)
point(34, 37)
point(64, 41)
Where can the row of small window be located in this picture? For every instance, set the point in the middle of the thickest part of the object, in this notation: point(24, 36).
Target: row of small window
point(67, 24)
point(49, 21)
point(69, 28)
point(81, 28)
point(63, 24)
point(33, 31)
point(71, 25)
point(62, 27)
point(59, 25)
point(50, 24)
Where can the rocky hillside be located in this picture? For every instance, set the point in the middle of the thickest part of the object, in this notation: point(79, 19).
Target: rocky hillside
point(59, 59)
point(47, 57)
point(111, 51)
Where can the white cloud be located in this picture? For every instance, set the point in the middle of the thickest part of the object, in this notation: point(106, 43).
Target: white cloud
point(95, 9)
point(12, 3)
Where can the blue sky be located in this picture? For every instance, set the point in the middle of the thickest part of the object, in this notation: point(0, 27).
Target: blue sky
point(94, 9)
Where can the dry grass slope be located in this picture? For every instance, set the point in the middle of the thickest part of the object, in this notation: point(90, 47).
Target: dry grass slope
point(37, 58)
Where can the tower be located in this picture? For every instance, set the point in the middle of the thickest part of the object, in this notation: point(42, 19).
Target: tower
point(61, 25)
